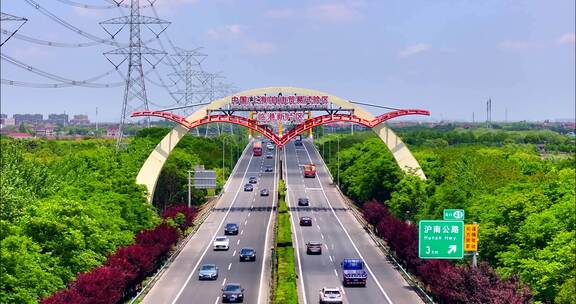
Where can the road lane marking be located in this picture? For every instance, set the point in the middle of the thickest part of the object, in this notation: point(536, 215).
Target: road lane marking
point(249, 213)
point(242, 232)
point(331, 260)
point(325, 245)
point(245, 222)
point(229, 266)
point(193, 271)
point(238, 243)
point(217, 299)
point(275, 160)
point(234, 254)
point(350, 238)
point(224, 282)
point(335, 272)
point(322, 235)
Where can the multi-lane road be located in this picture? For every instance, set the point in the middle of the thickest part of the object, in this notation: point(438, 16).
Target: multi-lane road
point(333, 226)
point(253, 213)
point(341, 235)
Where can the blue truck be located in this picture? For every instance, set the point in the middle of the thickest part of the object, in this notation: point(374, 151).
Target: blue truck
point(353, 272)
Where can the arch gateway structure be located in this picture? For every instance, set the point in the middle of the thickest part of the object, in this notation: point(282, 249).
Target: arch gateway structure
point(270, 99)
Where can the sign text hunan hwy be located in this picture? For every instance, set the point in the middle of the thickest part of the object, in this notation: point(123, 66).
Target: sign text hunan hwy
point(279, 102)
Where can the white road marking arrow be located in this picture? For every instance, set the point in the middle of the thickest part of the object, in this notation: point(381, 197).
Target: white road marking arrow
point(451, 249)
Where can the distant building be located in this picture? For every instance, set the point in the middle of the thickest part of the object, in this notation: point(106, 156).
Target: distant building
point(47, 131)
point(58, 119)
point(80, 120)
point(30, 119)
point(112, 132)
point(17, 135)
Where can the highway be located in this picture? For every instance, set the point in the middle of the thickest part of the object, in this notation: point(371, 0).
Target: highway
point(341, 235)
point(253, 213)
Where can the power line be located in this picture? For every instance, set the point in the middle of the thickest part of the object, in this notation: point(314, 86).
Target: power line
point(11, 18)
point(81, 83)
point(70, 26)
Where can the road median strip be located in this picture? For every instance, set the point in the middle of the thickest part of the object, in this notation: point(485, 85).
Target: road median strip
point(285, 290)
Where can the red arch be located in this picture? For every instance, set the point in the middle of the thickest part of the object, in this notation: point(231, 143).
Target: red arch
point(327, 119)
point(285, 138)
point(238, 120)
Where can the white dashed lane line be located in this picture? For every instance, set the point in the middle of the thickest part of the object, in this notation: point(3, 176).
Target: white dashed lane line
point(224, 282)
point(238, 242)
point(229, 266)
point(234, 254)
point(217, 300)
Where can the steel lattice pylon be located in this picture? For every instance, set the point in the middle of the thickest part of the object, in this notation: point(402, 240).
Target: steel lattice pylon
point(135, 90)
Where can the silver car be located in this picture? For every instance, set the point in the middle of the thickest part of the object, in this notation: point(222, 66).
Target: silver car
point(330, 295)
point(208, 272)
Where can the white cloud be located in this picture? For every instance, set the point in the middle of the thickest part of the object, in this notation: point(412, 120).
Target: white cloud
point(260, 48)
point(225, 31)
point(343, 11)
point(515, 45)
point(279, 13)
point(414, 49)
point(568, 38)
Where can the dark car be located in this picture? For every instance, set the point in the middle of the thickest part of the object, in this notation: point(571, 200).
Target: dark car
point(248, 187)
point(268, 169)
point(252, 180)
point(269, 155)
point(313, 248)
point(298, 142)
point(247, 254)
point(305, 221)
point(264, 192)
point(232, 293)
point(302, 201)
point(231, 228)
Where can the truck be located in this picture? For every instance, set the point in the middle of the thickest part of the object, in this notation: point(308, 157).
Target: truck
point(310, 170)
point(257, 148)
point(353, 272)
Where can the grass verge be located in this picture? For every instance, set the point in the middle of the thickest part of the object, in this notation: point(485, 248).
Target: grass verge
point(285, 291)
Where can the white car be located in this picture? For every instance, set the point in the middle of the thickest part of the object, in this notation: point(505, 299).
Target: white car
point(221, 243)
point(330, 295)
point(270, 146)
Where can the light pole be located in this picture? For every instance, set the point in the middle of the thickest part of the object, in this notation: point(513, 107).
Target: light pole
point(189, 189)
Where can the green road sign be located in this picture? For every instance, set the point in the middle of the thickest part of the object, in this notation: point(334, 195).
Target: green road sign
point(454, 214)
point(440, 239)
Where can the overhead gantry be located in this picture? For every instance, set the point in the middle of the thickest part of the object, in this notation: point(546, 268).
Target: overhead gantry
point(151, 169)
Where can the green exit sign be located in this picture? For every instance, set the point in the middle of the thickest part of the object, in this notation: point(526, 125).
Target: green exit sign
point(440, 239)
point(454, 214)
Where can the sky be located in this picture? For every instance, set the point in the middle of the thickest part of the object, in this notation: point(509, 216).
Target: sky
point(446, 56)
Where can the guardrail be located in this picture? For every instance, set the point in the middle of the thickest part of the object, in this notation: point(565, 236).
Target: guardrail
point(380, 243)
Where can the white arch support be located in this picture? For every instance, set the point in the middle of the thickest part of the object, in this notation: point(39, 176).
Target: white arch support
point(150, 171)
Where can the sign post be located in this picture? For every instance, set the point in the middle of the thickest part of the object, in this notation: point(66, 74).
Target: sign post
point(440, 239)
point(454, 214)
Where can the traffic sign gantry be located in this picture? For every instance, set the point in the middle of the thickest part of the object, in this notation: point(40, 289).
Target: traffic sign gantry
point(454, 214)
point(441, 239)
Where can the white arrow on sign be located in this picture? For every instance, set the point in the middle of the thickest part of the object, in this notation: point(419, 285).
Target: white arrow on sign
point(451, 249)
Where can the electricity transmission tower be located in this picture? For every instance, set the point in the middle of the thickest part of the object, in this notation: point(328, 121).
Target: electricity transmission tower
point(135, 90)
point(10, 18)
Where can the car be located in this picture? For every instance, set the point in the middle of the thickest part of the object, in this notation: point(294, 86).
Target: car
point(302, 201)
point(305, 221)
point(248, 187)
point(269, 155)
point(313, 247)
point(247, 254)
point(221, 243)
point(298, 142)
point(232, 293)
point(268, 169)
point(208, 272)
point(330, 295)
point(264, 192)
point(270, 146)
point(231, 228)
point(252, 180)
